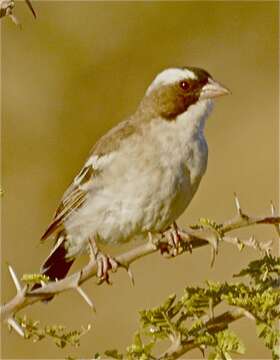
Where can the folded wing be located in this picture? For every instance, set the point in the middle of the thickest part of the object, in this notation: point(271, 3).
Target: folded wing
point(72, 200)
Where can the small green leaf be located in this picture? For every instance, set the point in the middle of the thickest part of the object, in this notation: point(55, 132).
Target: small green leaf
point(35, 278)
point(114, 354)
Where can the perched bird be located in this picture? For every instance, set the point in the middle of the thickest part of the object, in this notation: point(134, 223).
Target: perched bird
point(141, 175)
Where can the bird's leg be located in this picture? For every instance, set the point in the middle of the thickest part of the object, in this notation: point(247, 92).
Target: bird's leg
point(174, 240)
point(175, 244)
point(175, 237)
point(103, 261)
point(180, 244)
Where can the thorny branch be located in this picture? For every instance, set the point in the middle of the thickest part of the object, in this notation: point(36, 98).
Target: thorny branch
point(209, 233)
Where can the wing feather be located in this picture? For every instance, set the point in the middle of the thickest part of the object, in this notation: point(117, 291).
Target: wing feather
point(75, 195)
point(72, 200)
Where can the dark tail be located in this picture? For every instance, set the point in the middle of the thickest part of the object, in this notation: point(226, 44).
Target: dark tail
point(56, 265)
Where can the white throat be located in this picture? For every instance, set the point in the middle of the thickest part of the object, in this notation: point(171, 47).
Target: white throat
point(193, 120)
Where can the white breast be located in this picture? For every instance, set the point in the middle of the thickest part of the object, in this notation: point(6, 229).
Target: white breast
point(146, 184)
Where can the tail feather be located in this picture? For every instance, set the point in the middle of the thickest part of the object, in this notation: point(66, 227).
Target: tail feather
point(56, 265)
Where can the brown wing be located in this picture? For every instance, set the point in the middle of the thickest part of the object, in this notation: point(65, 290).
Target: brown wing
point(112, 140)
point(73, 198)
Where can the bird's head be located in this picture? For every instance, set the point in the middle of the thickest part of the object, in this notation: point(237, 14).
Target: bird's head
point(174, 90)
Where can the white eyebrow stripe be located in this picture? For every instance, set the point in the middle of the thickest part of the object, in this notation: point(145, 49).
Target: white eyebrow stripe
point(170, 76)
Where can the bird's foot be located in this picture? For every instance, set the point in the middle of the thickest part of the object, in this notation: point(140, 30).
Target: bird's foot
point(104, 262)
point(175, 244)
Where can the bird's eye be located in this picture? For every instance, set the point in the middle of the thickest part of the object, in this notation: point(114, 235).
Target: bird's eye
point(184, 85)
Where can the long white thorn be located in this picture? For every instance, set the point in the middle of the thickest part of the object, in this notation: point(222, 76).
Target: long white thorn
point(85, 297)
point(213, 257)
point(15, 278)
point(130, 274)
point(15, 325)
point(237, 204)
point(272, 207)
point(273, 212)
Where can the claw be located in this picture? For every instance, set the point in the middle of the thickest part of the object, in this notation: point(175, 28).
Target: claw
point(174, 245)
point(175, 239)
point(113, 263)
point(173, 242)
point(104, 262)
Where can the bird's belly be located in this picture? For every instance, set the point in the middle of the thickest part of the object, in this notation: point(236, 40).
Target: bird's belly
point(147, 203)
point(136, 203)
point(170, 199)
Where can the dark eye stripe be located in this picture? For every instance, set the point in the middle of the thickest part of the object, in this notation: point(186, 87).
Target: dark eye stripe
point(203, 81)
point(193, 85)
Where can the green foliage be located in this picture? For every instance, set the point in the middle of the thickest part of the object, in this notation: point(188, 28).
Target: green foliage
point(225, 343)
point(205, 222)
point(138, 350)
point(191, 321)
point(32, 279)
point(208, 223)
point(57, 333)
point(114, 354)
point(271, 337)
point(264, 272)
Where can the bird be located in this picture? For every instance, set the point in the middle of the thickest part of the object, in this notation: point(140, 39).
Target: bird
point(140, 176)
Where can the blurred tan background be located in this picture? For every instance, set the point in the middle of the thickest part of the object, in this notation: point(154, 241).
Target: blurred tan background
point(75, 72)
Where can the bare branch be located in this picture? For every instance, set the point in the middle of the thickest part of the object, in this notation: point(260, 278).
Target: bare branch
point(85, 297)
point(28, 3)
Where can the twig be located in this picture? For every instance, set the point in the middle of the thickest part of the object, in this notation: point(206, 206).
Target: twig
point(192, 238)
point(28, 3)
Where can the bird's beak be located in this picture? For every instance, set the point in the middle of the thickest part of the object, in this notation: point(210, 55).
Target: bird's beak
point(212, 90)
